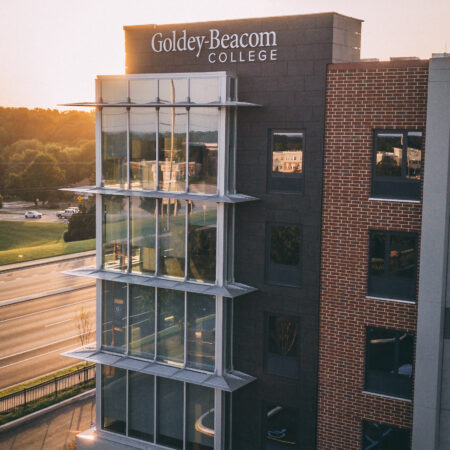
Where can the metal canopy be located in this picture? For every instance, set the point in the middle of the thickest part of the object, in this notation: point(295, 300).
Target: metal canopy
point(229, 103)
point(229, 382)
point(230, 290)
point(229, 198)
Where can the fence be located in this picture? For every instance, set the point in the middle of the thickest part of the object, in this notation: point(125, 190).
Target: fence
point(47, 388)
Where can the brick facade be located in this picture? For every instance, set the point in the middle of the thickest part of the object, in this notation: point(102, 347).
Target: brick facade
point(361, 97)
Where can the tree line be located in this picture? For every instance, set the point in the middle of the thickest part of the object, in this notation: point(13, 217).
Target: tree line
point(42, 150)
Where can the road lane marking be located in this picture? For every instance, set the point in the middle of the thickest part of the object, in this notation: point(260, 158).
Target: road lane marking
point(45, 310)
point(57, 323)
point(41, 346)
point(34, 357)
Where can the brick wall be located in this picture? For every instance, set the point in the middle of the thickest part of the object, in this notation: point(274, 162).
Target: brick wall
point(361, 97)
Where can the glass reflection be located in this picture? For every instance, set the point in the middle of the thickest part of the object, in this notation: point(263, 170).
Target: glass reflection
point(402, 256)
point(204, 90)
point(141, 400)
point(114, 320)
point(414, 155)
point(287, 156)
point(143, 213)
point(113, 399)
point(281, 428)
point(378, 252)
point(171, 326)
point(114, 91)
point(170, 413)
point(173, 91)
point(202, 224)
point(389, 155)
point(143, 91)
point(172, 149)
point(203, 147)
point(201, 329)
point(172, 225)
point(142, 321)
point(199, 417)
point(115, 233)
point(114, 147)
point(143, 148)
point(284, 245)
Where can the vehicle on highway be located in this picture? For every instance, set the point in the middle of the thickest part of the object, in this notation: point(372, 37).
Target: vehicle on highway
point(68, 212)
point(33, 215)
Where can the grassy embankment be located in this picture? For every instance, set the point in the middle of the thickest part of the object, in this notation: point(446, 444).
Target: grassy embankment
point(35, 240)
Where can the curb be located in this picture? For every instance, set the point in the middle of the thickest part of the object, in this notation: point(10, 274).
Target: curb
point(45, 261)
point(49, 409)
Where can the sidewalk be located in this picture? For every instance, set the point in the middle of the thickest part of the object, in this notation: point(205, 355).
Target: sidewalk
point(55, 430)
point(44, 261)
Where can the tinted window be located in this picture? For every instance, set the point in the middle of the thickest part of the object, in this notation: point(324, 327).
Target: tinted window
point(283, 256)
point(282, 346)
point(385, 437)
point(113, 399)
point(393, 265)
point(114, 319)
point(286, 160)
point(389, 362)
point(281, 428)
point(397, 164)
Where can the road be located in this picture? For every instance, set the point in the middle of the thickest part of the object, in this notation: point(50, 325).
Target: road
point(34, 332)
point(16, 211)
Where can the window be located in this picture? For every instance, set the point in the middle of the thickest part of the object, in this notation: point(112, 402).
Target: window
point(392, 265)
point(141, 396)
point(281, 428)
point(114, 320)
point(389, 362)
point(282, 346)
point(385, 437)
point(286, 160)
point(283, 254)
point(113, 399)
point(397, 164)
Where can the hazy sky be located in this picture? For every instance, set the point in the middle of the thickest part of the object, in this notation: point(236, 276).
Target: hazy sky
point(51, 50)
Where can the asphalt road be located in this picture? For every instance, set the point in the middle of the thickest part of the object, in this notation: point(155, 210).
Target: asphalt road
point(33, 333)
point(15, 211)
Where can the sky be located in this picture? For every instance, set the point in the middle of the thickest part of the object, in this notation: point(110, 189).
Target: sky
point(52, 50)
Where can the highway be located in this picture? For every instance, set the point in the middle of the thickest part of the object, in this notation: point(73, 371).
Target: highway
point(34, 332)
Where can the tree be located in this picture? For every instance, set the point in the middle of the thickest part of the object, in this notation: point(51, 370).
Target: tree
point(85, 326)
point(81, 225)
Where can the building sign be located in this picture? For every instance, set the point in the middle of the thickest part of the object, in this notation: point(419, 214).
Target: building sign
point(220, 47)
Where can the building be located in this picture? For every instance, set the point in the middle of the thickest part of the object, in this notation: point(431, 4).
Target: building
point(263, 216)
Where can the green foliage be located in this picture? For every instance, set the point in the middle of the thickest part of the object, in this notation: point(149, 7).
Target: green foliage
point(81, 225)
point(1, 201)
point(43, 150)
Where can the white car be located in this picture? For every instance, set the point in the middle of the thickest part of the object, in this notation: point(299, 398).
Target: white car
point(33, 215)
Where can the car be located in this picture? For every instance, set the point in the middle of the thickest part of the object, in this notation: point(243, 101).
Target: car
point(67, 213)
point(33, 215)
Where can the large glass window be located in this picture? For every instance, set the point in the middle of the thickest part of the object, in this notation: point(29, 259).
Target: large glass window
point(281, 428)
point(389, 362)
point(143, 90)
point(171, 326)
point(114, 91)
point(114, 399)
point(199, 418)
point(143, 148)
point(203, 149)
point(392, 265)
point(202, 228)
point(141, 398)
point(172, 149)
point(286, 160)
point(204, 90)
point(172, 238)
point(143, 212)
point(283, 258)
point(170, 413)
point(114, 147)
point(397, 164)
point(115, 228)
point(142, 321)
point(114, 320)
point(201, 331)
point(173, 90)
point(282, 357)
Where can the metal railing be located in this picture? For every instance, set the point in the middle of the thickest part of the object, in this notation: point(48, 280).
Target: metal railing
point(52, 387)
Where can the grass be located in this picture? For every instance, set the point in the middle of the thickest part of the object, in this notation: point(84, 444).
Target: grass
point(36, 240)
point(50, 376)
point(46, 401)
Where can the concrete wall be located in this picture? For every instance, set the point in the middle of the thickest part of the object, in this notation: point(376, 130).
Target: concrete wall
point(432, 371)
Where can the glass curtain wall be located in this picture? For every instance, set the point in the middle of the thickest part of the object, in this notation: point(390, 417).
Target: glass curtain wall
point(184, 412)
point(114, 320)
